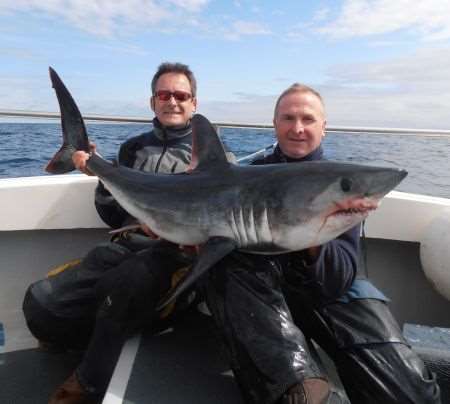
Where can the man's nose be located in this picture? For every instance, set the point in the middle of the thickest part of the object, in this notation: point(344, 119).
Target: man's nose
point(172, 100)
point(298, 126)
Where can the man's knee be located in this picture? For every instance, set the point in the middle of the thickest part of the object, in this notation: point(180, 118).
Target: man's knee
point(131, 291)
point(415, 379)
point(105, 256)
point(48, 327)
point(366, 337)
point(368, 379)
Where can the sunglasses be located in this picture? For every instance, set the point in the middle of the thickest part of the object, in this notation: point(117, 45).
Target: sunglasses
point(165, 95)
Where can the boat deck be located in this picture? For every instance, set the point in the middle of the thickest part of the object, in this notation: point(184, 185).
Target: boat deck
point(185, 362)
point(184, 365)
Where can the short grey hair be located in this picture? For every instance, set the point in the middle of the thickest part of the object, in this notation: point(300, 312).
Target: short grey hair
point(294, 88)
point(180, 68)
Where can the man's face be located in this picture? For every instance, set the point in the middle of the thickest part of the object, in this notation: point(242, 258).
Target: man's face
point(173, 112)
point(299, 123)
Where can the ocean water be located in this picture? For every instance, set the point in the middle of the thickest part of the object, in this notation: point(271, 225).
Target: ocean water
point(25, 148)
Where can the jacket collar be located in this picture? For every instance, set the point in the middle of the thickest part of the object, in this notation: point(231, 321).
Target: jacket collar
point(166, 133)
point(316, 154)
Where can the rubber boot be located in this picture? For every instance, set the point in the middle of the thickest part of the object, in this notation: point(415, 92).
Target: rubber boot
point(72, 392)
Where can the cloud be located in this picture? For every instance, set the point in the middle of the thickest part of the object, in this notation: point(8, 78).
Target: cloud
point(242, 28)
point(25, 93)
point(190, 5)
point(321, 14)
point(246, 108)
point(19, 53)
point(409, 91)
point(425, 69)
point(428, 19)
point(124, 48)
point(105, 17)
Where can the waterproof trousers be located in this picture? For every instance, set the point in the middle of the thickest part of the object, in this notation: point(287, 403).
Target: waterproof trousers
point(266, 325)
point(117, 290)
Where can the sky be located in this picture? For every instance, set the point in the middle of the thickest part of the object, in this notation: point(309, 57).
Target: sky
point(383, 63)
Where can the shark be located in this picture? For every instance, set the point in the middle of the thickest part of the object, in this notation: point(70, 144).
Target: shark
point(260, 209)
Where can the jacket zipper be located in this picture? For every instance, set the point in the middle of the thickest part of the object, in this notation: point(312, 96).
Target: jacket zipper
point(163, 152)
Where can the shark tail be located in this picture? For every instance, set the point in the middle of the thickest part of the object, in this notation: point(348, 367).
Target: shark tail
point(73, 129)
point(62, 161)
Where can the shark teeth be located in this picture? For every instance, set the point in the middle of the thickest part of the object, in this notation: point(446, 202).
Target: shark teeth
point(356, 206)
point(353, 211)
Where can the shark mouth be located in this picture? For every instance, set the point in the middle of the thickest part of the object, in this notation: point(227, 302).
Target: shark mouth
point(355, 206)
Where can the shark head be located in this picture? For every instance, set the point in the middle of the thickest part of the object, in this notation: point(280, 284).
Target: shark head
point(323, 199)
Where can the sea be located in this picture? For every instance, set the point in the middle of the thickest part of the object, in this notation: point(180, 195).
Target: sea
point(25, 148)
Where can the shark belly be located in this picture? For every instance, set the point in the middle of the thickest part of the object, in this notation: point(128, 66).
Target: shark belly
point(185, 223)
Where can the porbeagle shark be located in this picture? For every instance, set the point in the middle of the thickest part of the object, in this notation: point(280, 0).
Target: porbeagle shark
point(265, 209)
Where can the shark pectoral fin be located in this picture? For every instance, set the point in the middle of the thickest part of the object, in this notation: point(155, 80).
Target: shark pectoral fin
point(212, 252)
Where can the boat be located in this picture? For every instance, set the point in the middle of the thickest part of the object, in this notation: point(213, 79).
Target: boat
point(49, 220)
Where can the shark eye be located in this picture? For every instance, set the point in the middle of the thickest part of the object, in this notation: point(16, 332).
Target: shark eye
point(346, 184)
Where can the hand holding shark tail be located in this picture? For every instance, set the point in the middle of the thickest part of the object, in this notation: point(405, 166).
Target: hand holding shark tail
point(73, 128)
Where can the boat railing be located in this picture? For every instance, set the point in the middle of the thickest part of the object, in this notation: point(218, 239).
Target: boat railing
point(331, 129)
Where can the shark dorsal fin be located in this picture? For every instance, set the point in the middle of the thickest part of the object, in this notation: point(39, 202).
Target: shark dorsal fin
point(207, 149)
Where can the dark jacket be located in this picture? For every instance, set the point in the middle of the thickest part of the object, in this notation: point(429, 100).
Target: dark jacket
point(160, 150)
point(333, 272)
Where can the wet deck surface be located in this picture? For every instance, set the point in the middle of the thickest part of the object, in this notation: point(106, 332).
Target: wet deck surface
point(30, 376)
point(182, 366)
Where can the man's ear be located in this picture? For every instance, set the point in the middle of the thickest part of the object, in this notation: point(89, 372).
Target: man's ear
point(152, 103)
point(194, 102)
point(324, 126)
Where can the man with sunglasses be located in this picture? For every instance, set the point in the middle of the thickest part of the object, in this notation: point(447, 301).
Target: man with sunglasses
point(127, 277)
point(167, 148)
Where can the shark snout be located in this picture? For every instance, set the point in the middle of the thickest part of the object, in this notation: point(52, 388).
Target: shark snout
point(400, 175)
point(387, 180)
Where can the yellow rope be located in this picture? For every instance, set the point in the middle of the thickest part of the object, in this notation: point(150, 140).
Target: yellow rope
point(63, 267)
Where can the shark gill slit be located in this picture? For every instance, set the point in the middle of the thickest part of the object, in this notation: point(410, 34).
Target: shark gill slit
point(252, 234)
point(240, 224)
point(235, 226)
point(265, 225)
point(243, 231)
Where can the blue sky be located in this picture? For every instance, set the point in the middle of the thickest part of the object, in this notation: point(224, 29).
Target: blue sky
point(376, 62)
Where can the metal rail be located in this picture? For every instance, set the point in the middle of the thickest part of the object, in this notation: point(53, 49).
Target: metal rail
point(56, 115)
point(334, 129)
